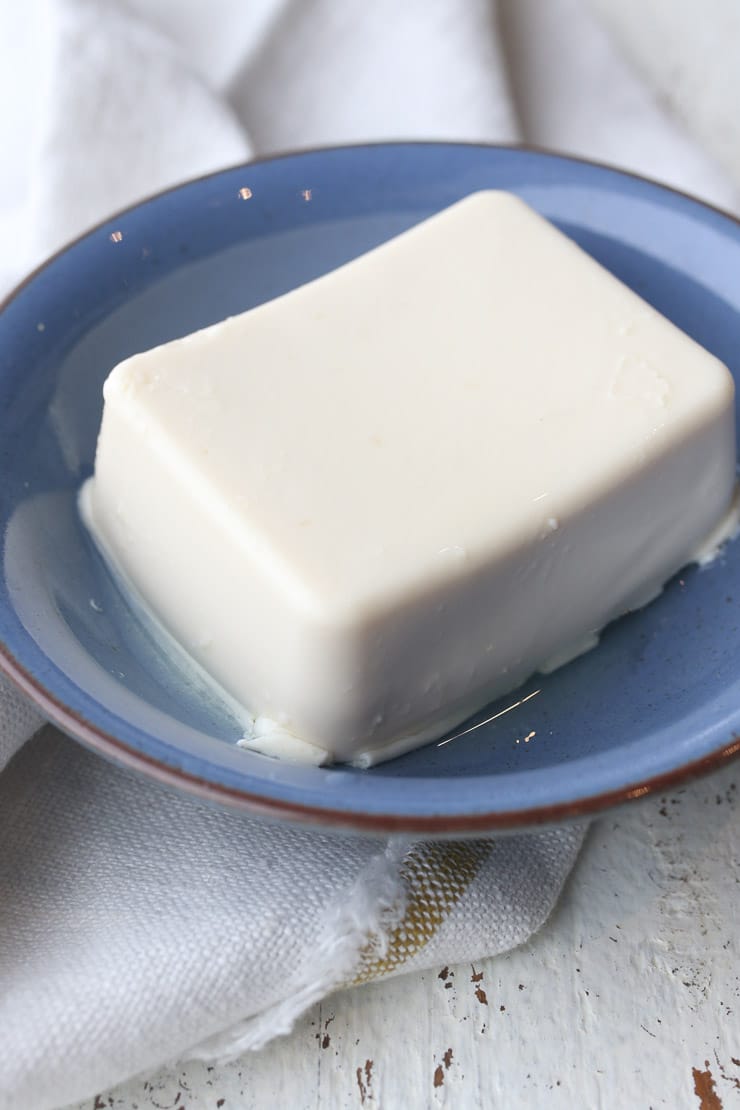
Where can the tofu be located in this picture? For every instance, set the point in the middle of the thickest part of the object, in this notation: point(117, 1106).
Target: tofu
point(372, 505)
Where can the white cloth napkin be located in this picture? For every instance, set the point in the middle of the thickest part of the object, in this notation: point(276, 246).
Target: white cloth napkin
point(138, 926)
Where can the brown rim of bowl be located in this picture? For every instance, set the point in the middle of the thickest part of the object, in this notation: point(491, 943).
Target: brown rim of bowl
point(74, 725)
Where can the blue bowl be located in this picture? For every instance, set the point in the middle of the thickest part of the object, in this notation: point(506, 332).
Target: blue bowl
point(657, 702)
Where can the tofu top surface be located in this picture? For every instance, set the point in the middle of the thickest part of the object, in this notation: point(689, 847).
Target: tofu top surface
point(429, 406)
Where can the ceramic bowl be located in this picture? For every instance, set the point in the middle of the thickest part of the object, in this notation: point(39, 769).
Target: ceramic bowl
point(656, 703)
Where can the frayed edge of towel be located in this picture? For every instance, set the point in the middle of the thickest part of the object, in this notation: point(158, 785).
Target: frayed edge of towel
point(372, 909)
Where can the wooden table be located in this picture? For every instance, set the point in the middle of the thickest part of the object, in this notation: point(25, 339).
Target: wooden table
point(628, 998)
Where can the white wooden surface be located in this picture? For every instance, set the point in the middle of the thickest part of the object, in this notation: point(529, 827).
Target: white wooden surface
point(628, 998)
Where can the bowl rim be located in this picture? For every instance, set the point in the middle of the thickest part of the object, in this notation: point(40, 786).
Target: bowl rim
point(92, 736)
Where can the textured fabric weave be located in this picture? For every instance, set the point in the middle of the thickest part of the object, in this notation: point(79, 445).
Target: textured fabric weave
point(138, 925)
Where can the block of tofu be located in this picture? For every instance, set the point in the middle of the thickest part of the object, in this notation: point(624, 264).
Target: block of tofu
point(371, 505)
